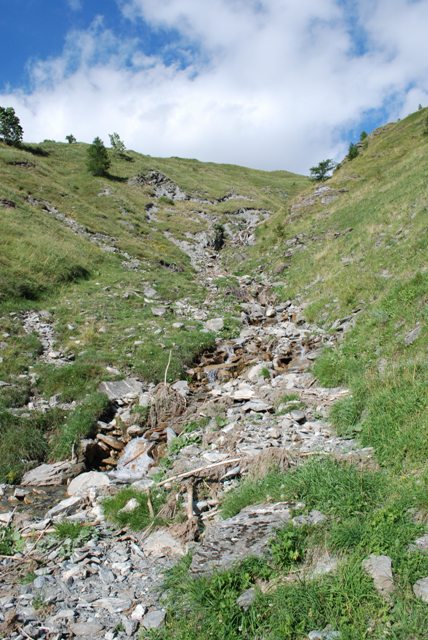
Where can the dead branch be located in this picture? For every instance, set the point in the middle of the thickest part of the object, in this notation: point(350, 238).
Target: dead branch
point(195, 472)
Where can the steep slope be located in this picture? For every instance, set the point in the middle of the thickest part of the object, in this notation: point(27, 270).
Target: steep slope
point(103, 260)
point(357, 244)
point(298, 531)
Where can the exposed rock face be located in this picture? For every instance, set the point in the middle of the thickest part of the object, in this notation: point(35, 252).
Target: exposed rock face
point(246, 534)
point(163, 186)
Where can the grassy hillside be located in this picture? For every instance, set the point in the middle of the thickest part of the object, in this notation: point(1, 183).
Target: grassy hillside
point(364, 250)
point(85, 250)
point(353, 250)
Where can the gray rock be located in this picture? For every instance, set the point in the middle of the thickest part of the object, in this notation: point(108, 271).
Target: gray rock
point(52, 474)
point(246, 534)
point(89, 629)
point(312, 518)
point(134, 462)
point(259, 406)
point(154, 619)
point(129, 388)
point(246, 599)
point(113, 605)
point(182, 387)
point(158, 311)
point(297, 416)
point(139, 613)
point(215, 324)
point(65, 507)
point(420, 589)
point(82, 484)
point(421, 544)
point(325, 634)
point(130, 626)
point(413, 335)
point(149, 292)
point(380, 569)
point(323, 565)
point(162, 543)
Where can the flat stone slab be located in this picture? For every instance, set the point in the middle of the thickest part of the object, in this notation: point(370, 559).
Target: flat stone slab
point(380, 569)
point(65, 507)
point(51, 474)
point(246, 534)
point(119, 389)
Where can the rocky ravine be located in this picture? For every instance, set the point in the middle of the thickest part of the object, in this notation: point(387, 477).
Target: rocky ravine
point(109, 586)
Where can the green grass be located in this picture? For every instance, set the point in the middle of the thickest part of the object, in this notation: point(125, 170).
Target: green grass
point(324, 484)
point(24, 441)
point(367, 513)
point(79, 424)
point(139, 518)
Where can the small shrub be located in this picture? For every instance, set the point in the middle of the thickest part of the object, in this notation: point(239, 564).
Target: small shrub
point(288, 547)
point(10, 541)
point(219, 237)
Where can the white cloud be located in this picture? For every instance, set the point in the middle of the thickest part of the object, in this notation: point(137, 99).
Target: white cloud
point(75, 5)
point(271, 83)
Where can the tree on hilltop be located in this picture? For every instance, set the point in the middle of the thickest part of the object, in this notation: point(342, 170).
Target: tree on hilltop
point(98, 161)
point(322, 170)
point(70, 139)
point(117, 144)
point(11, 131)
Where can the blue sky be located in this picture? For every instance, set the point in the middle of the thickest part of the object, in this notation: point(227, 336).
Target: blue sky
point(263, 83)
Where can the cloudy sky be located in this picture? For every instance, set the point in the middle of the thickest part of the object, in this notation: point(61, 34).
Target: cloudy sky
point(271, 84)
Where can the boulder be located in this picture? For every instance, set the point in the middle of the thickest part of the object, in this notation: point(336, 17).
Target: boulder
point(81, 485)
point(232, 540)
point(52, 474)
